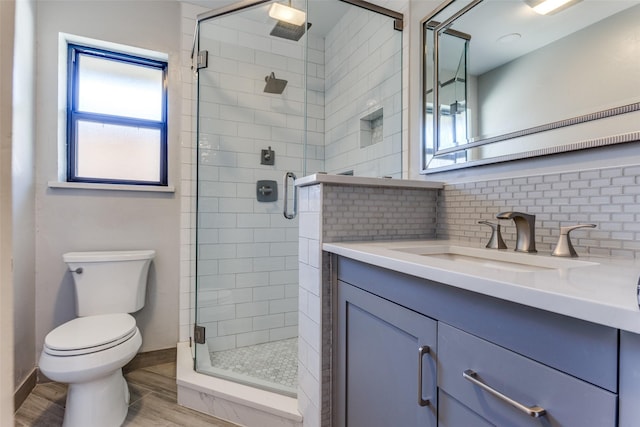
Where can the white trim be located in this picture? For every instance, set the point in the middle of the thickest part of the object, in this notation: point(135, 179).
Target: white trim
point(114, 47)
point(117, 187)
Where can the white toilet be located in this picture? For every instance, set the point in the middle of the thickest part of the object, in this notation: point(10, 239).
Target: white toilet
point(88, 352)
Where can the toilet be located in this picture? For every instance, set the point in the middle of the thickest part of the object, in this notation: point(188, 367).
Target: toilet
point(88, 352)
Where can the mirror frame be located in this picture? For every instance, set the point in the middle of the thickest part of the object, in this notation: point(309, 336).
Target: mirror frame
point(567, 129)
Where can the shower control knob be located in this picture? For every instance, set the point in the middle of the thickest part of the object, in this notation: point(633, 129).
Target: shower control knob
point(265, 190)
point(267, 157)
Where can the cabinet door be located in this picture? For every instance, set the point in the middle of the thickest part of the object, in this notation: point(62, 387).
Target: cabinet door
point(379, 362)
point(568, 401)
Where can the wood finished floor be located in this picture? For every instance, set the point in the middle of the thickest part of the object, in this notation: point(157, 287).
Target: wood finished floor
point(153, 403)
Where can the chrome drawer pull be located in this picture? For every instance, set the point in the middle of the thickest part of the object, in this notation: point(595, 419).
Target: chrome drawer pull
point(422, 350)
point(533, 411)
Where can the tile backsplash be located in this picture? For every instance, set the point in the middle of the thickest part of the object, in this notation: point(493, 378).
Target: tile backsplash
point(377, 213)
point(609, 198)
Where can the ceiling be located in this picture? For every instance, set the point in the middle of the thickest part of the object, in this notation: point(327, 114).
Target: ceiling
point(323, 14)
point(491, 20)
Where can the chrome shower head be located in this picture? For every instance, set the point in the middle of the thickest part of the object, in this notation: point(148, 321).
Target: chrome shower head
point(289, 31)
point(274, 85)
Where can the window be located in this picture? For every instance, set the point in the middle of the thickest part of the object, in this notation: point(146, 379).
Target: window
point(116, 118)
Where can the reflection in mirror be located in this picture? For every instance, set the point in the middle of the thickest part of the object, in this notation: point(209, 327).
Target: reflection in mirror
point(512, 83)
point(453, 90)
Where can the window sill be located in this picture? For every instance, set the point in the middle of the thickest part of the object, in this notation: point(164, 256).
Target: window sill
point(116, 187)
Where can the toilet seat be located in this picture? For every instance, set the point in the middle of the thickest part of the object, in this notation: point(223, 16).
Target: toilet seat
point(90, 334)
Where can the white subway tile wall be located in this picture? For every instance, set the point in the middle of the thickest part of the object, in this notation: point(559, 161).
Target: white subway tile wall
point(609, 198)
point(188, 176)
point(363, 74)
point(315, 105)
point(310, 302)
point(247, 272)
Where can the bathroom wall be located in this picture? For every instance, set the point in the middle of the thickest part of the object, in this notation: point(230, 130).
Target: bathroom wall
point(7, 13)
point(23, 191)
point(363, 96)
point(76, 220)
point(510, 94)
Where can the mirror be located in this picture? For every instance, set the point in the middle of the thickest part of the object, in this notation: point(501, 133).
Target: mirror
point(502, 82)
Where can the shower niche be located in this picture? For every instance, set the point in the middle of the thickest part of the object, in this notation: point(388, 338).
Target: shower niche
point(371, 129)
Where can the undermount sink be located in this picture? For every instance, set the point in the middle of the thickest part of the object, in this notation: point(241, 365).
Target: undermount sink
point(495, 259)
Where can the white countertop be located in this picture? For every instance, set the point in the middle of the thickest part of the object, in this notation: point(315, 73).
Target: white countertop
point(599, 290)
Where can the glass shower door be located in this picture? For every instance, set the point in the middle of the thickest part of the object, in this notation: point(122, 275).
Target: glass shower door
point(250, 132)
point(271, 102)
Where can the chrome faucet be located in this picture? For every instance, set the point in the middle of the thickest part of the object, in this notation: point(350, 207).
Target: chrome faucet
point(564, 246)
point(525, 230)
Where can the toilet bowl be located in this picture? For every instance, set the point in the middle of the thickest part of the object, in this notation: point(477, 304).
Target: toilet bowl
point(88, 352)
point(92, 366)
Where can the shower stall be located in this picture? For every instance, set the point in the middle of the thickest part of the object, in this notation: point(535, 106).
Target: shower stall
point(275, 99)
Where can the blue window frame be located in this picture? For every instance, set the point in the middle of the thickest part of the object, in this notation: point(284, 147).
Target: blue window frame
point(116, 118)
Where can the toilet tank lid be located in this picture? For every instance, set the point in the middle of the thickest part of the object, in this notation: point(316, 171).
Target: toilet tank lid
point(101, 256)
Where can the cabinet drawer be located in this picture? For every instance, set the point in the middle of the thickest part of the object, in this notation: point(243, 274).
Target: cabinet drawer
point(568, 401)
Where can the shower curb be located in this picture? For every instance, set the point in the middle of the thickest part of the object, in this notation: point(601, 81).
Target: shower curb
point(230, 401)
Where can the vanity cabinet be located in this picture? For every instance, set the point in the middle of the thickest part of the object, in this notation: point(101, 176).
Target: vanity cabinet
point(386, 364)
point(566, 366)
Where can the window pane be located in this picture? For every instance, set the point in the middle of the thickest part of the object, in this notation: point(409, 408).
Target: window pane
point(117, 152)
point(112, 87)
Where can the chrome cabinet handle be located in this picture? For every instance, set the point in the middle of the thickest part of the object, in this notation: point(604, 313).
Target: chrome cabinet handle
point(533, 411)
point(422, 350)
point(286, 196)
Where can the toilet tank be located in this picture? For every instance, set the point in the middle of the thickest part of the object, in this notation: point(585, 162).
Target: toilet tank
point(109, 281)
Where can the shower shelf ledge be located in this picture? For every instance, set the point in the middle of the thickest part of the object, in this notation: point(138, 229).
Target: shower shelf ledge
point(322, 178)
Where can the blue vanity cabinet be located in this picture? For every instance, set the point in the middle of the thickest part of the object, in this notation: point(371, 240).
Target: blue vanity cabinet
point(385, 369)
point(567, 366)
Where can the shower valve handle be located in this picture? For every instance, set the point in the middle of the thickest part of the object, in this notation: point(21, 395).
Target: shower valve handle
point(264, 190)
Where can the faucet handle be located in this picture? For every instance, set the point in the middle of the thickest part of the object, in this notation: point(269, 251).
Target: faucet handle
point(495, 242)
point(564, 247)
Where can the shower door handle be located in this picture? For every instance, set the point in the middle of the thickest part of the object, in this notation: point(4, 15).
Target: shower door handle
point(286, 196)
